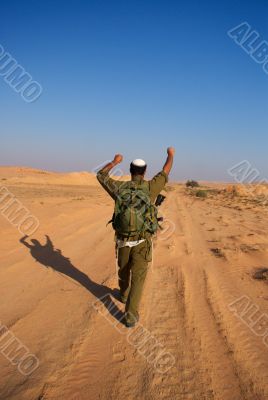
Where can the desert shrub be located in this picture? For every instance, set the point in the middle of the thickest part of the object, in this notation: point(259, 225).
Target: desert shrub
point(192, 183)
point(202, 193)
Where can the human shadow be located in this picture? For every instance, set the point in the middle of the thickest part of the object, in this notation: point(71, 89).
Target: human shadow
point(48, 256)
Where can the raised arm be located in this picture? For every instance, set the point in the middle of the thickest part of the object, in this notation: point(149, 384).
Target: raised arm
point(159, 180)
point(118, 158)
point(109, 184)
point(169, 161)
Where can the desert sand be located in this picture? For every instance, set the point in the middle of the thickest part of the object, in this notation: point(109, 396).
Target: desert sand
point(201, 300)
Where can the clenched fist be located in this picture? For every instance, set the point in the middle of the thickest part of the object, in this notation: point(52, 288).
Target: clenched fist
point(118, 158)
point(171, 151)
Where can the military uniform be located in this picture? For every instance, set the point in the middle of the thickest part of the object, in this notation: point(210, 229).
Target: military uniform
point(133, 258)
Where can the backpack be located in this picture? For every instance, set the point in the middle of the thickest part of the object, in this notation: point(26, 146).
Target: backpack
point(134, 213)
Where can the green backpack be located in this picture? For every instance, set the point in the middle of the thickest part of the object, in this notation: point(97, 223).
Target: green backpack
point(134, 213)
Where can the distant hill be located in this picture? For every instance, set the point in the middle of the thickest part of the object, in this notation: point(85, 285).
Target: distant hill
point(15, 175)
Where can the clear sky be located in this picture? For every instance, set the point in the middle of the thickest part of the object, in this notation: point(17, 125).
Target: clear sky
point(134, 77)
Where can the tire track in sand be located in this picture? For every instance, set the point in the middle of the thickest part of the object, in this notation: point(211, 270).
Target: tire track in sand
point(217, 355)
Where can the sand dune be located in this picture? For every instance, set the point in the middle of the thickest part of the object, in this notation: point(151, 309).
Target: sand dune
point(30, 175)
point(192, 304)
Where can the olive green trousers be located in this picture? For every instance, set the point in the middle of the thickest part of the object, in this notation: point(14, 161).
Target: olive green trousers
point(133, 266)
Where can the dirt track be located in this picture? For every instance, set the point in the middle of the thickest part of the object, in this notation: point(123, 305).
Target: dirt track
point(48, 298)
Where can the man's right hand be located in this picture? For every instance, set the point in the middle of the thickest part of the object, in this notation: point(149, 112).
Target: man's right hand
point(118, 158)
point(171, 151)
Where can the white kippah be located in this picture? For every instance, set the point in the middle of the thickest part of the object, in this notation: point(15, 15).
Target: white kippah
point(139, 163)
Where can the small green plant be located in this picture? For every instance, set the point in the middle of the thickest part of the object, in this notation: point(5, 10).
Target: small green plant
point(192, 183)
point(202, 193)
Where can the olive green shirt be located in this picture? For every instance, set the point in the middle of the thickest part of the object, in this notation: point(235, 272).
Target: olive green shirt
point(112, 186)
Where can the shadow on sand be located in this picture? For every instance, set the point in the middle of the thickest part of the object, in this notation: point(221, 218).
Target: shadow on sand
point(48, 256)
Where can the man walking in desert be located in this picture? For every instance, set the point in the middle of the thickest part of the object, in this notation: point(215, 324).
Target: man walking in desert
point(134, 221)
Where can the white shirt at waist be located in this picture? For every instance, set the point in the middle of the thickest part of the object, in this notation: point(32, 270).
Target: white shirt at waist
point(122, 243)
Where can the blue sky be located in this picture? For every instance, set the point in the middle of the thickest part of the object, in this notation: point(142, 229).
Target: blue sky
point(135, 77)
